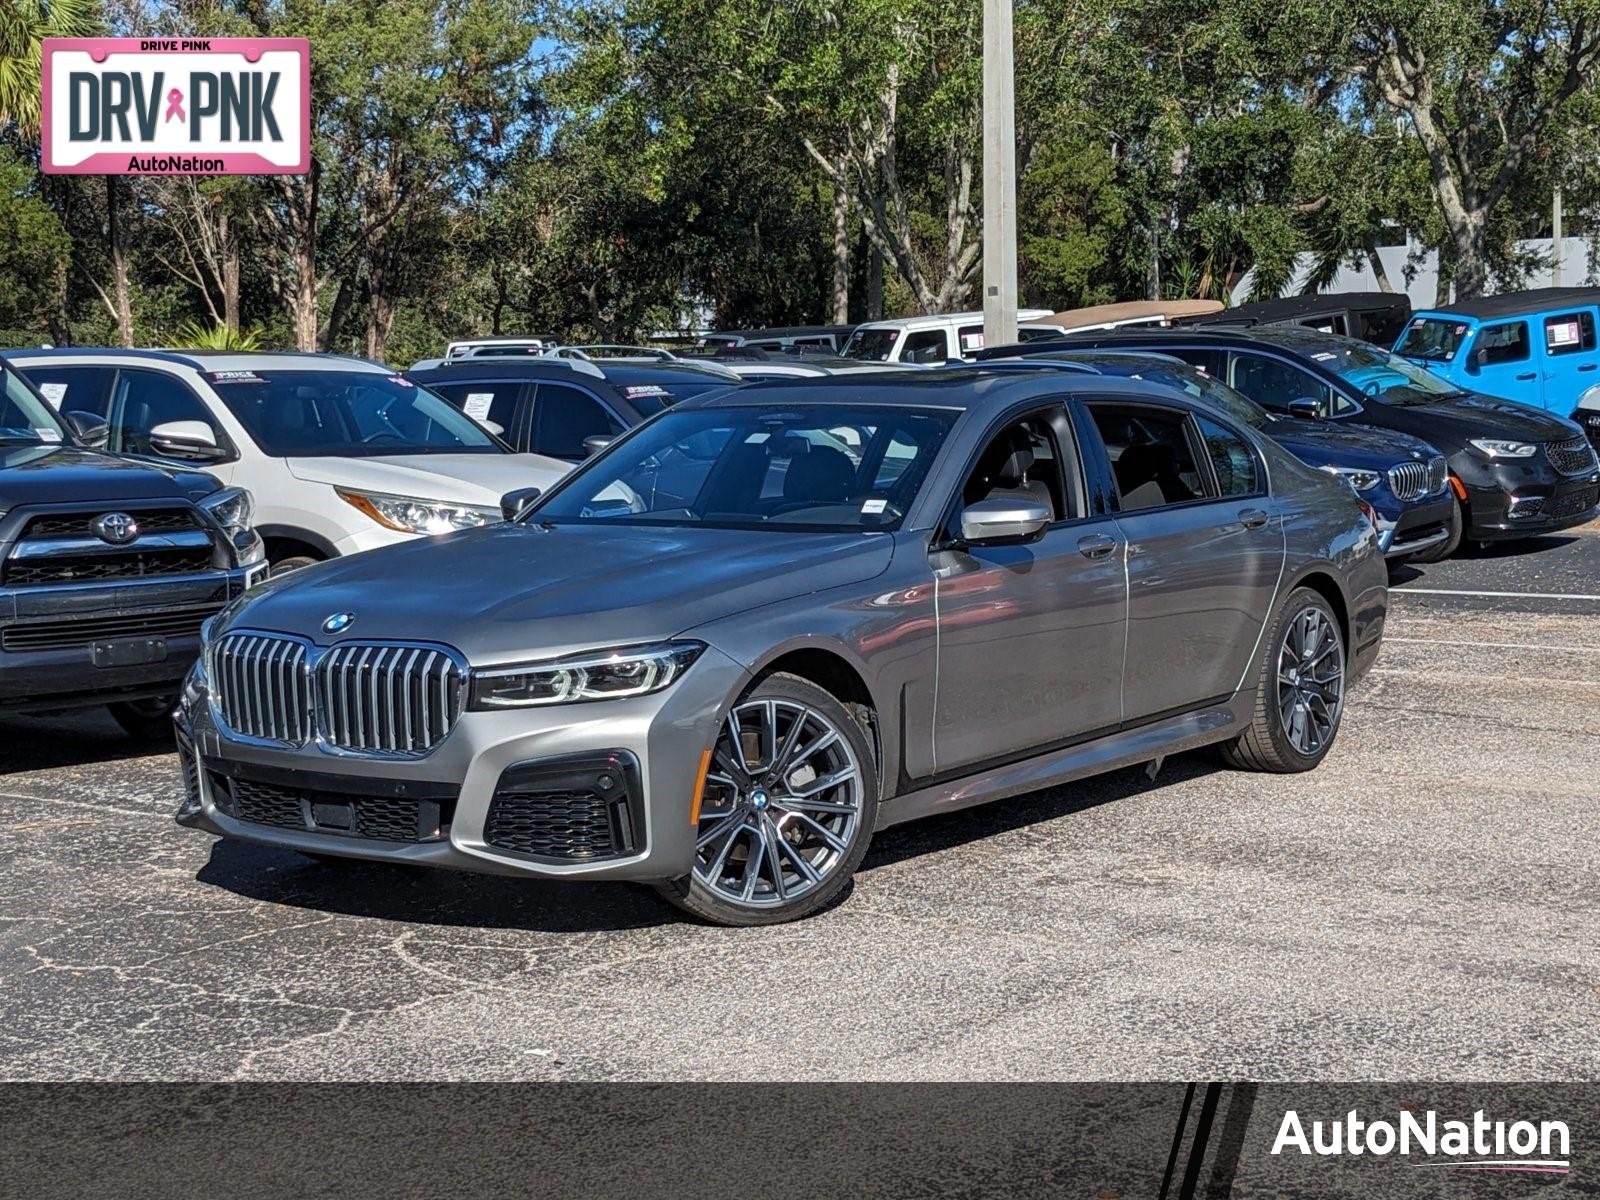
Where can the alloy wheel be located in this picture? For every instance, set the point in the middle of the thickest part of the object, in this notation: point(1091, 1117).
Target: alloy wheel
point(1310, 680)
point(781, 806)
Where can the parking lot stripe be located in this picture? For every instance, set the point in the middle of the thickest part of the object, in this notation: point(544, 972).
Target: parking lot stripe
point(1495, 645)
point(88, 804)
point(1411, 591)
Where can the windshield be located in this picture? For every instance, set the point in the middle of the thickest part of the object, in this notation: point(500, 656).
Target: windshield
point(838, 468)
point(871, 345)
point(23, 416)
point(343, 414)
point(1380, 375)
point(1432, 338)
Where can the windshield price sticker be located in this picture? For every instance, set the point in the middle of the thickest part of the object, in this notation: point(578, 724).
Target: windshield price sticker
point(235, 377)
point(477, 405)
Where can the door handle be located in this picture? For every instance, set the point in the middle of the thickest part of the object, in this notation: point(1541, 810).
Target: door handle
point(1528, 376)
point(1589, 366)
point(1096, 545)
point(1253, 518)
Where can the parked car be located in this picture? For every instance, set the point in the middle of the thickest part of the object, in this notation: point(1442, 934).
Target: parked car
point(884, 599)
point(757, 366)
point(829, 338)
point(1155, 314)
point(1538, 348)
point(935, 339)
point(340, 454)
point(1406, 480)
point(508, 343)
point(1515, 472)
point(107, 566)
point(1375, 317)
point(565, 409)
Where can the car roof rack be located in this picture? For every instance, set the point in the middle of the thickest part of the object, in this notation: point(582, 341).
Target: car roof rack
point(611, 350)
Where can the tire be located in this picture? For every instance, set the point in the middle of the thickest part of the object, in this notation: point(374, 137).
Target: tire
point(780, 738)
point(145, 720)
point(1293, 725)
point(284, 565)
point(1433, 554)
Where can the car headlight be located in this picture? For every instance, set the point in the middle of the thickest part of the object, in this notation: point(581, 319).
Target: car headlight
point(232, 508)
point(1498, 448)
point(595, 675)
point(411, 514)
point(1357, 477)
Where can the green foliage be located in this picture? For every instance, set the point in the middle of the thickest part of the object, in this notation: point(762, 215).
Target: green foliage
point(195, 336)
point(24, 24)
point(34, 249)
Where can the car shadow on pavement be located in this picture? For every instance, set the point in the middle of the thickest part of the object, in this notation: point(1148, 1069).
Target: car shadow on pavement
point(429, 896)
point(1402, 573)
point(934, 834)
point(76, 739)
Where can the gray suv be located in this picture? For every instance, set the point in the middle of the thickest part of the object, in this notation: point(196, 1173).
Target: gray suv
point(850, 605)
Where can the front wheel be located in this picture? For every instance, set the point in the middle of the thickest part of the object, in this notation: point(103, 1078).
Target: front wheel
point(1299, 690)
point(145, 720)
point(787, 810)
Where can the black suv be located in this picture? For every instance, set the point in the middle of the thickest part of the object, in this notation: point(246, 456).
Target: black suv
point(565, 407)
point(1516, 471)
point(108, 567)
point(1376, 317)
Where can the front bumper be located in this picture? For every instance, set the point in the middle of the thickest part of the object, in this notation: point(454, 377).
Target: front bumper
point(1523, 498)
point(654, 744)
point(74, 645)
point(1405, 529)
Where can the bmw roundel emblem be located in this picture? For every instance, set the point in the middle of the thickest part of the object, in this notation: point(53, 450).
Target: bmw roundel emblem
point(338, 622)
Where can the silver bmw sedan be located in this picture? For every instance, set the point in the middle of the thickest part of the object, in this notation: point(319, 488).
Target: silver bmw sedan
point(773, 620)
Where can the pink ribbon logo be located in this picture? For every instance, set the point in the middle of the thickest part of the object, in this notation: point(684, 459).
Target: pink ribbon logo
point(175, 105)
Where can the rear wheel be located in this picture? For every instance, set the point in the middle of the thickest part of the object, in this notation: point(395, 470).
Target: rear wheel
point(787, 811)
point(145, 720)
point(1299, 690)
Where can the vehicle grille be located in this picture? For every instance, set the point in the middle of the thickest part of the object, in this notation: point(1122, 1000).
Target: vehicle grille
point(80, 524)
point(1571, 457)
point(80, 631)
point(88, 568)
point(367, 697)
point(382, 818)
point(1414, 480)
point(575, 826)
point(264, 687)
point(1571, 504)
point(388, 699)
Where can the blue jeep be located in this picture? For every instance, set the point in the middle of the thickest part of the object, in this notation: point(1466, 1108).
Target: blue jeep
point(1537, 348)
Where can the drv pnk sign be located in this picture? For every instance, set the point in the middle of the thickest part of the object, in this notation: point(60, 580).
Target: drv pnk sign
point(177, 106)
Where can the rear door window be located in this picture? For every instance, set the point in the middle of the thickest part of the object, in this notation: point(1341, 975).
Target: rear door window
point(926, 346)
point(1502, 343)
point(73, 389)
point(1152, 455)
point(1569, 333)
point(499, 401)
point(1232, 459)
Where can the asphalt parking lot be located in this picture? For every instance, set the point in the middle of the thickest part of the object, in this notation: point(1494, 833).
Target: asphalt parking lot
point(1422, 907)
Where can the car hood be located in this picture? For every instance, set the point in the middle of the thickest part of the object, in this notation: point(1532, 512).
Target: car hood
point(515, 592)
point(67, 474)
point(458, 478)
point(1472, 415)
point(1324, 443)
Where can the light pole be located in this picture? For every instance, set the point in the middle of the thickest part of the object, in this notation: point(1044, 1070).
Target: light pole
point(999, 177)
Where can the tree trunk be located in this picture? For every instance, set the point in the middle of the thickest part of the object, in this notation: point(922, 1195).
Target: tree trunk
point(841, 249)
point(380, 307)
point(117, 235)
point(342, 300)
point(874, 283)
point(231, 262)
point(1379, 272)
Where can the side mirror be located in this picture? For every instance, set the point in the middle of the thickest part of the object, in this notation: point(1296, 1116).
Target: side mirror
point(186, 439)
point(595, 443)
point(1476, 359)
point(1003, 522)
point(1306, 409)
point(514, 504)
point(88, 428)
point(493, 427)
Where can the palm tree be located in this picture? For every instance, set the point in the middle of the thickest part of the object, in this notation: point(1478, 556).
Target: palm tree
point(24, 24)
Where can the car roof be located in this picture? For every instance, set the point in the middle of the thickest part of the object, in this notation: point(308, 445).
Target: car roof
point(614, 371)
point(1295, 338)
point(781, 331)
point(215, 360)
point(940, 320)
point(1516, 304)
point(959, 388)
point(1289, 307)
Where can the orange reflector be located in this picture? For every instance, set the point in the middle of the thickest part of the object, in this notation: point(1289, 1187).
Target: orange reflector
point(1460, 488)
point(699, 787)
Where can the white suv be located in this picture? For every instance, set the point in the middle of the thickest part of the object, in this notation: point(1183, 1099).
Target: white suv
point(934, 339)
point(340, 454)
